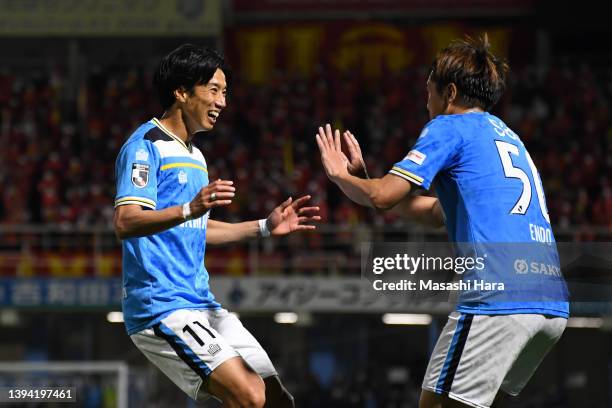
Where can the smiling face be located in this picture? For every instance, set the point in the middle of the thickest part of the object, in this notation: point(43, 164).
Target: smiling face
point(201, 108)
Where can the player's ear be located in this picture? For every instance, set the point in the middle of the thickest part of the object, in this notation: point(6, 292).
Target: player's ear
point(451, 93)
point(181, 94)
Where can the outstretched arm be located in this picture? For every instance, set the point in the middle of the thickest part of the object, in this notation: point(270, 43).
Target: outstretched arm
point(218, 232)
point(379, 193)
point(288, 217)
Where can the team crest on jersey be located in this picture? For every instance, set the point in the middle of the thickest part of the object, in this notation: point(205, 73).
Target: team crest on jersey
point(182, 177)
point(140, 174)
point(142, 155)
point(416, 157)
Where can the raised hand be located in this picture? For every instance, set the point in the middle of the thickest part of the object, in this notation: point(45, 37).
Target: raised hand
point(334, 161)
point(219, 193)
point(356, 164)
point(292, 216)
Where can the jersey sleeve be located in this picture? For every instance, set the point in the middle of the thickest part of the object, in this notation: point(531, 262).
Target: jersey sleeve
point(434, 151)
point(136, 172)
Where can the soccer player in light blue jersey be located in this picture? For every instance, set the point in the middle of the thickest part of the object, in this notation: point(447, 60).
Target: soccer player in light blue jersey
point(162, 209)
point(489, 191)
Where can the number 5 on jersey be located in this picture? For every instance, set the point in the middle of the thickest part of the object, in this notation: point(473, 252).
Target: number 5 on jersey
point(505, 151)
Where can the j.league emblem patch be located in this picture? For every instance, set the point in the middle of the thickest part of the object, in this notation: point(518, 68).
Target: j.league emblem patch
point(140, 174)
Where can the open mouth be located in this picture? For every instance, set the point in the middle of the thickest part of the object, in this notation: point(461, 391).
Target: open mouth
point(213, 115)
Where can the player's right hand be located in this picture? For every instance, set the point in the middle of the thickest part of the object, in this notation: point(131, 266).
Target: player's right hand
point(219, 193)
point(334, 160)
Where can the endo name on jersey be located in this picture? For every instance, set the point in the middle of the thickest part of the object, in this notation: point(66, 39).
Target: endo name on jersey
point(164, 271)
point(494, 203)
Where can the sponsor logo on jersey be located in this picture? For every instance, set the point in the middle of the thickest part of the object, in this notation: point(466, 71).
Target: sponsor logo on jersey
point(182, 177)
point(416, 157)
point(140, 174)
point(142, 155)
point(520, 266)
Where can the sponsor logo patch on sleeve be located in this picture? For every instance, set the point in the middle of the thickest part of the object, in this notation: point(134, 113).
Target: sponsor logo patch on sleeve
point(142, 155)
point(182, 177)
point(416, 157)
point(140, 174)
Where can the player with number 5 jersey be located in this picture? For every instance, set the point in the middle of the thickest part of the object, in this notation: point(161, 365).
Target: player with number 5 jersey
point(491, 199)
point(494, 204)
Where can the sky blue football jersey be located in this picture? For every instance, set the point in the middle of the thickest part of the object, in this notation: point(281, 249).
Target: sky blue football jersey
point(493, 200)
point(162, 272)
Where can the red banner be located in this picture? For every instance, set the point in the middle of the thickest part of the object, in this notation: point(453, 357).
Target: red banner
point(370, 49)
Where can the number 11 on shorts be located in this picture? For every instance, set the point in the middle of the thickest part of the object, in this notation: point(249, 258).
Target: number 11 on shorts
point(188, 329)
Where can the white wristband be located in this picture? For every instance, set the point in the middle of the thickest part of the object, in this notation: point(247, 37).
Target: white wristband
point(186, 212)
point(263, 228)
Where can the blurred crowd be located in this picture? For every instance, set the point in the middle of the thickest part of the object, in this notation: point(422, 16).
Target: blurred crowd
point(59, 142)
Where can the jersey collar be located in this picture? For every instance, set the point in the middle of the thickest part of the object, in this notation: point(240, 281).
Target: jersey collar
point(157, 123)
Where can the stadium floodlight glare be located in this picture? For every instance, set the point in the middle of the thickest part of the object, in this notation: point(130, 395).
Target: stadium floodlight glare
point(585, 322)
point(9, 318)
point(114, 317)
point(406, 318)
point(286, 318)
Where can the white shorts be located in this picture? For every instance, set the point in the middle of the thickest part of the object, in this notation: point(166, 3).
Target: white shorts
point(189, 344)
point(477, 355)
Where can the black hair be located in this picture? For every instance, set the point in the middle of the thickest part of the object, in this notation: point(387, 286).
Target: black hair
point(480, 76)
point(185, 67)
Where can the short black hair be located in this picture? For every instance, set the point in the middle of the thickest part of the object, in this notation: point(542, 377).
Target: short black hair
point(185, 67)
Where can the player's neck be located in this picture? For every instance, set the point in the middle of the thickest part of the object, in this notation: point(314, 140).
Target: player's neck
point(458, 110)
point(173, 121)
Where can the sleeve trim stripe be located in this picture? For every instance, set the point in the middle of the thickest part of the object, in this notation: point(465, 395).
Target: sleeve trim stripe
point(407, 177)
point(136, 200)
point(132, 198)
point(407, 173)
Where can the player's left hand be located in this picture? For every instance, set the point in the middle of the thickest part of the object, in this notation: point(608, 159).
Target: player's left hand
point(292, 216)
point(335, 162)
